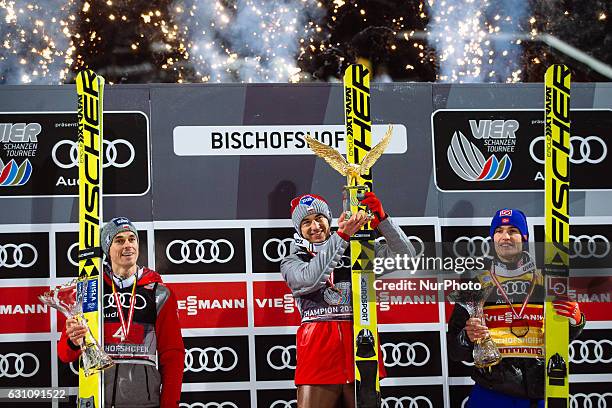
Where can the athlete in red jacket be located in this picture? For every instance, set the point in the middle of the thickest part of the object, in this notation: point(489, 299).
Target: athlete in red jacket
point(144, 325)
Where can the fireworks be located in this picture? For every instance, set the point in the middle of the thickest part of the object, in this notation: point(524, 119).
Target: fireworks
point(285, 41)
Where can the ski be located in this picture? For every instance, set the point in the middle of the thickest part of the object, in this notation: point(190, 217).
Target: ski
point(358, 124)
point(90, 90)
point(556, 232)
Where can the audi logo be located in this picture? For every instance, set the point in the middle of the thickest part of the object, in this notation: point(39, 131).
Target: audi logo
point(125, 299)
point(404, 354)
point(13, 365)
point(591, 351)
point(465, 400)
point(110, 153)
point(580, 400)
point(69, 253)
point(74, 368)
point(210, 359)
point(476, 246)
point(17, 255)
point(284, 404)
point(205, 251)
point(585, 246)
point(514, 288)
point(584, 152)
point(286, 357)
point(415, 241)
point(225, 404)
point(407, 402)
point(275, 249)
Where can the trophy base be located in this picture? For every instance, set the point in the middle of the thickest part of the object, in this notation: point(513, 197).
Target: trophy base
point(94, 360)
point(486, 354)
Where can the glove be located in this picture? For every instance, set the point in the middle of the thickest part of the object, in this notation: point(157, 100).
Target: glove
point(569, 309)
point(375, 207)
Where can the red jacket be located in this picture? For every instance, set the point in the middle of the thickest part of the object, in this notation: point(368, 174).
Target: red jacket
point(163, 338)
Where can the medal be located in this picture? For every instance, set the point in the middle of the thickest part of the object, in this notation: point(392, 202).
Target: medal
point(519, 327)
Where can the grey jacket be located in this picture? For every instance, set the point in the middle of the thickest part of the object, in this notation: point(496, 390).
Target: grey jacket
point(321, 284)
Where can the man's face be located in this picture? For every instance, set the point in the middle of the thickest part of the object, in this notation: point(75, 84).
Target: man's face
point(315, 228)
point(508, 242)
point(124, 249)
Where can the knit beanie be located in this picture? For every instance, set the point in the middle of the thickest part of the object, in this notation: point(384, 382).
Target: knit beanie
point(112, 228)
point(305, 205)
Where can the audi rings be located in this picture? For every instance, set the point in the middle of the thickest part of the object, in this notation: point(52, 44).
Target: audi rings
point(284, 404)
point(585, 246)
point(201, 254)
point(125, 299)
point(407, 402)
point(276, 252)
point(13, 365)
point(18, 254)
point(580, 400)
point(287, 358)
point(514, 288)
point(225, 404)
point(591, 351)
point(409, 351)
point(415, 241)
point(210, 359)
point(110, 153)
point(584, 150)
point(473, 244)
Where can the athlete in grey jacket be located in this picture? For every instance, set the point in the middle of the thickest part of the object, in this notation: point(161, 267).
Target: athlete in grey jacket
point(319, 275)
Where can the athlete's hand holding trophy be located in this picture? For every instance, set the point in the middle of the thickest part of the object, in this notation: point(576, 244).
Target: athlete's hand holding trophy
point(68, 299)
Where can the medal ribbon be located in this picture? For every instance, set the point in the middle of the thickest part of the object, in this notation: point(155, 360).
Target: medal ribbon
point(505, 295)
point(126, 328)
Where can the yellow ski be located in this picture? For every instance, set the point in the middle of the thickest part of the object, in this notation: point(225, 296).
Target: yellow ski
point(358, 124)
point(556, 232)
point(90, 89)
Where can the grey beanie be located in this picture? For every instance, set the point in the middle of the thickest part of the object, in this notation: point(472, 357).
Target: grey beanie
point(304, 205)
point(112, 228)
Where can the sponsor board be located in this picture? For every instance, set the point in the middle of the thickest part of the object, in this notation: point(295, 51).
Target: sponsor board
point(411, 354)
point(25, 364)
point(24, 255)
point(417, 396)
point(216, 399)
point(272, 140)
point(39, 154)
point(216, 359)
point(277, 398)
point(503, 150)
point(268, 248)
point(275, 357)
point(22, 312)
point(274, 305)
point(196, 251)
point(211, 304)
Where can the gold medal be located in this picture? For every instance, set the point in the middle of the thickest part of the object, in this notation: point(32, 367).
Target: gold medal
point(519, 327)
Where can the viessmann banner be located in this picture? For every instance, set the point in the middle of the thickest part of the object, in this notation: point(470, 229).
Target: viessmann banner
point(503, 150)
point(39, 154)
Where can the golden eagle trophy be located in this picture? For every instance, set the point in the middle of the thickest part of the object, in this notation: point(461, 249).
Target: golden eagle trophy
point(349, 170)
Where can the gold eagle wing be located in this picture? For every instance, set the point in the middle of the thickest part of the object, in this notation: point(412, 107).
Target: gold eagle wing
point(329, 154)
point(370, 158)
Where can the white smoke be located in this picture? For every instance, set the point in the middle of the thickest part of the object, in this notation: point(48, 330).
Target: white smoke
point(34, 41)
point(248, 40)
point(476, 40)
